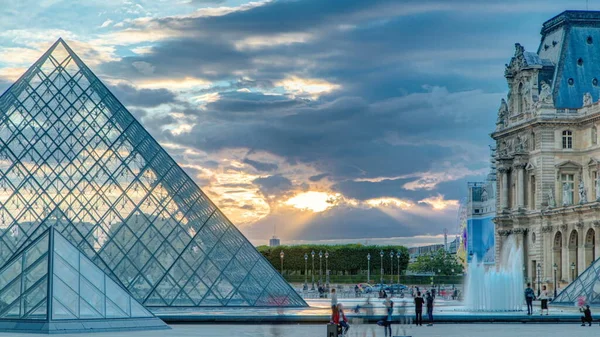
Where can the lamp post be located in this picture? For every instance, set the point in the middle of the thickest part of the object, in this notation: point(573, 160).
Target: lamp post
point(326, 270)
point(539, 277)
point(305, 271)
point(313, 269)
point(381, 271)
point(281, 255)
point(320, 268)
point(391, 267)
point(572, 271)
point(555, 267)
point(368, 267)
point(398, 256)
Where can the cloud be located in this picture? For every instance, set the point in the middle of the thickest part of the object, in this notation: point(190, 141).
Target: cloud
point(132, 96)
point(106, 23)
point(260, 166)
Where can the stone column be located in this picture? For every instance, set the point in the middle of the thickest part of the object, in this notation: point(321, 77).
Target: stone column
point(520, 186)
point(504, 189)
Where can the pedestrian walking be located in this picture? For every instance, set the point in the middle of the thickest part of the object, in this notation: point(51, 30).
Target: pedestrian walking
point(544, 301)
point(389, 307)
point(419, 309)
point(429, 300)
point(587, 315)
point(529, 297)
point(334, 300)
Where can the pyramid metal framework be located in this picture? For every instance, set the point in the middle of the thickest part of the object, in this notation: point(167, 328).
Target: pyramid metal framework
point(587, 285)
point(52, 287)
point(72, 157)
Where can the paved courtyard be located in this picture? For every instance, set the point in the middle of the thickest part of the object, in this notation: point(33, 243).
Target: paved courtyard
point(442, 330)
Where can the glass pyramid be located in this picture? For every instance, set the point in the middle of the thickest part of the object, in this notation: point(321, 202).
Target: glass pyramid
point(587, 285)
point(52, 281)
point(73, 157)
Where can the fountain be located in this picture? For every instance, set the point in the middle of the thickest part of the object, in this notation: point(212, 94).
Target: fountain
point(500, 288)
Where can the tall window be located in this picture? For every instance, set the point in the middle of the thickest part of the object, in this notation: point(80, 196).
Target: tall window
point(595, 176)
point(569, 180)
point(533, 141)
point(520, 99)
point(594, 135)
point(567, 139)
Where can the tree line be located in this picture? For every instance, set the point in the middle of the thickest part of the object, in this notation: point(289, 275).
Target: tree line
point(349, 259)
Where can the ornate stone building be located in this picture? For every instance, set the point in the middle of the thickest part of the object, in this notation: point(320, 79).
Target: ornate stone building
point(548, 150)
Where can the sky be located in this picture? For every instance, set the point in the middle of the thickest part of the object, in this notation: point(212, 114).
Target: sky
point(331, 121)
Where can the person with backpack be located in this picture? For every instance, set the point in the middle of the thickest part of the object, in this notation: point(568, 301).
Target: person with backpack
point(529, 297)
point(419, 309)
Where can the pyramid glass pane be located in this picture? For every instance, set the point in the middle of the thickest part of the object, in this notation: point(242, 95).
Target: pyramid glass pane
point(82, 290)
point(587, 285)
point(73, 157)
point(24, 281)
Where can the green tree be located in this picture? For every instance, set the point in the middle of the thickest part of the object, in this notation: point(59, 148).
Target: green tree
point(439, 262)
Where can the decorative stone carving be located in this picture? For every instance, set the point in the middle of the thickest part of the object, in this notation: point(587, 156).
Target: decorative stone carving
point(580, 224)
point(504, 232)
point(546, 94)
point(551, 202)
point(484, 195)
point(519, 230)
point(547, 229)
point(565, 194)
point(587, 99)
point(522, 144)
point(582, 193)
point(596, 223)
point(563, 227)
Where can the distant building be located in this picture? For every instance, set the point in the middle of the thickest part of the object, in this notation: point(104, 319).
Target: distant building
point(481, 210)
point(274, 242)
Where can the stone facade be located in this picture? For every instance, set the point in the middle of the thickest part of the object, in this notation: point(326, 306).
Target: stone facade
point(548, 150)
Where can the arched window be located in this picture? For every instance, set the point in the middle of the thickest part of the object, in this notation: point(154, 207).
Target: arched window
point(594, 135)
point(567, 139)
point(520, 99)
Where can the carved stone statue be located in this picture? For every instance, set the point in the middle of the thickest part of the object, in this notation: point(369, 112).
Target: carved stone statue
point(587, 99)
point(582, 193)
point(502, 112)
point(551, 202)
point(546, 94)
point(484, 195)
point(527, 98)
point(566, 194)
point(510, 101)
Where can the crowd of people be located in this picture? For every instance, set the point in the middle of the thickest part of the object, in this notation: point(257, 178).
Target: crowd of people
point(339, 318)
point(425, 299)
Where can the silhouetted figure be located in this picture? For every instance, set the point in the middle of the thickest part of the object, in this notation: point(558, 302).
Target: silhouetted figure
point(419, 309)
point(529, 297)
point(587, 315)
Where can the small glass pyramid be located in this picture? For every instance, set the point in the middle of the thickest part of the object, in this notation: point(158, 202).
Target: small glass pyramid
point(587, 285)
point(51, 281)
point(73, 157)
